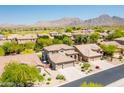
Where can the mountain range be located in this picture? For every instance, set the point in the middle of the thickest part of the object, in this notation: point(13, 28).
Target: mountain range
point(102, 20)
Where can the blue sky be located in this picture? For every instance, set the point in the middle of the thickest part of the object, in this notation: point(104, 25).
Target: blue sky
point(32, 14)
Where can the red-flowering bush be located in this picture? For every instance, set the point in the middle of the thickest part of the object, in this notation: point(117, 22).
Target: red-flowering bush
point(97, 67)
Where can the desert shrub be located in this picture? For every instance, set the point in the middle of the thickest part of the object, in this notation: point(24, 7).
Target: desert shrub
point(47, 83)
point(44, 74)
point(60, 77)
point(91, 84)
point(49, 79)
point(85, 66)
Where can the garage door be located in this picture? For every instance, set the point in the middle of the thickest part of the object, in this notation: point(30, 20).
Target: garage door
point(68, 65)
point(97, 58)
point(94, 59)
point(64, 65)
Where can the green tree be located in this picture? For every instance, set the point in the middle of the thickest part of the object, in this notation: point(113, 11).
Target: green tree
point(109, 49)
point(42, 42)
point(7, 47)
point(94, 37)
point(82, 39)
point(67, 40)
point(29, 45)
point(11, 47)
point(79, 28)
point(57, 41)
point(21, 75)
point(28, 51)
point(2, 53)
point(69, 29)
point(21, 48)
point(116, 34)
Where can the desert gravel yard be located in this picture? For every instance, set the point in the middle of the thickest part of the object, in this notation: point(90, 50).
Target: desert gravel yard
point(103, 64)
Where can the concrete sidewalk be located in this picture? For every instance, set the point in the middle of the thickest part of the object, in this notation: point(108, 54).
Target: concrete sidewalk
point(118, 83)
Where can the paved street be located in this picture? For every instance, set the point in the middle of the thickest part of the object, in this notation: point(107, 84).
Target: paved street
point(105, 77)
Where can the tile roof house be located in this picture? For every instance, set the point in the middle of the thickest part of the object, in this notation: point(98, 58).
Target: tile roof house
point(88, 52)
point(26, 38)
point(30, 59)
point(115, 43)
point(58, 47)
point(59, 55)
point(53, 34)
point(60, 61)
point(22, 39)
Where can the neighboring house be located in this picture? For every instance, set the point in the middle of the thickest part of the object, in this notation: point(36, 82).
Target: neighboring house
point(31, 59)
point(88, 52)
point(67, 34)
point(118, 45)
point(26, 38)
point(13, 36)
point(112, 43)
point(22, 39)
point(43, 35)
point(59, 55)
point(120, 41)
point(87, 31)
point(53, 34)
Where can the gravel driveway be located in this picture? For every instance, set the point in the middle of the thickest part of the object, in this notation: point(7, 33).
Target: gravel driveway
point(71, 73)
